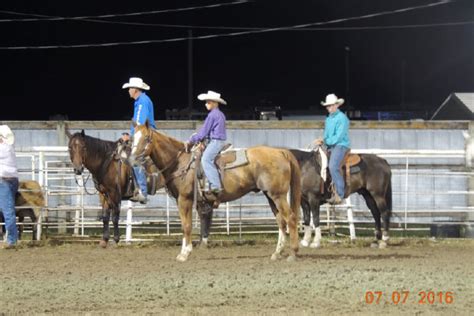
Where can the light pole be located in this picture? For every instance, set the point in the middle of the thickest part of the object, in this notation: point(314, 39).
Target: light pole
point(347, 50)
point(190, 69)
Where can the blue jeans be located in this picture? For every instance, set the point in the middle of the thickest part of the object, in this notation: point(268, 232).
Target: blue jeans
point(8, 189)
point(208, 165)
point(140, 176)
point(337, 155)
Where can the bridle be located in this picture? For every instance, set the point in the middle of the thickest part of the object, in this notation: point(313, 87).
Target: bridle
point(141, 159)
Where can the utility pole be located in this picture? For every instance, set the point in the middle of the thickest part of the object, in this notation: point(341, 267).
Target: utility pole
point(402, 92)
point(190, 69)
point(347, 50)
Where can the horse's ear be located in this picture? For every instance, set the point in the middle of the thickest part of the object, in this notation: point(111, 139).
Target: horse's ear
point(147, 124)
point(83, 133)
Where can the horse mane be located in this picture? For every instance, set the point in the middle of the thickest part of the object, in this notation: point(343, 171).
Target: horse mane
point(303, 156)
point(173, 141)
point(98, 148)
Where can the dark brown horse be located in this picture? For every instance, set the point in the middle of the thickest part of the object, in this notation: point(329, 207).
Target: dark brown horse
point(373, 182)
point(111, 176)
point(273, 171)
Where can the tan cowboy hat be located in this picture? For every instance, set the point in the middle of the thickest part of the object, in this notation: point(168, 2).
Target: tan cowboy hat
point(212, 96)
point(332, 99)
point(135, 82)
point(7, 135)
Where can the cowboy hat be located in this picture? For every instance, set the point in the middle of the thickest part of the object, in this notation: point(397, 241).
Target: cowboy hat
point(7, 134)
point(332, 99)
point(135, 82)
point(212, 96)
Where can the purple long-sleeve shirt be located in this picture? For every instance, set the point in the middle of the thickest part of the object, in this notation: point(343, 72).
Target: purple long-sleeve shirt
point(214, 127)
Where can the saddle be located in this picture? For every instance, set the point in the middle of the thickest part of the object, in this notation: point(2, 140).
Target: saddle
point(226, 159)
point(351, 164)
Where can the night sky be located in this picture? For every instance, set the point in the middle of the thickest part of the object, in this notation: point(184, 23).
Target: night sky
point(389, 69)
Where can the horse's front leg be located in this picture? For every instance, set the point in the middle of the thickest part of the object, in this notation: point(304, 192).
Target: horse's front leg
point(205, 215)
point(315, 206)
point(185, 205)
point(105, 227)
point(115, 222)
point(306, 222)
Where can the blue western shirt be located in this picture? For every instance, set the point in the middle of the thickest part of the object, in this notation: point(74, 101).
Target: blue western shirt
point(214, 127)
point(143, 110)
point(336, 130)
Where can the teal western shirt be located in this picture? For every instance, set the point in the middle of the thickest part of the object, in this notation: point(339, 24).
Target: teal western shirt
point(336, 130)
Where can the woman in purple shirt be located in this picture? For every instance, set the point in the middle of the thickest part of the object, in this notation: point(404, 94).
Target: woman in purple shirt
point(214, 129)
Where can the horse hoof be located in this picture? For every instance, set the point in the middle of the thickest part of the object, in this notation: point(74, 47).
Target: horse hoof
point(315, 245)
point(382, 245)
point(304, 243)
point(182, 257)
point(291, 258)
point(103, 244)
point(275, 256)
point(374, 244)
point(204, 243)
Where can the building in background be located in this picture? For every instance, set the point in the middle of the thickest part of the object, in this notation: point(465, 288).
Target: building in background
point(457, 106)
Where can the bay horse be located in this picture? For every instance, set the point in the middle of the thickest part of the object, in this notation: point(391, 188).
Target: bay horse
point(110, 175)
point(373, 182)
point(271, 170)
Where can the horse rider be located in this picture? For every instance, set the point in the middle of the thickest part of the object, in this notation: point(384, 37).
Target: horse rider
point(8, 184)
point(214, 128)
point(143, 111)
point(336, 138)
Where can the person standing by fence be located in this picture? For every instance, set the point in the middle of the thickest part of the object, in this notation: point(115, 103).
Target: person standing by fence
point(8, 184)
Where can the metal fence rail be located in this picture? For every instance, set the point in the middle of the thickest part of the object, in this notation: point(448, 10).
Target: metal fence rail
point(423, 194)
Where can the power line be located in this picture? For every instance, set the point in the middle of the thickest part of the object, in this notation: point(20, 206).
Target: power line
point(247, 32)
point(107, 16)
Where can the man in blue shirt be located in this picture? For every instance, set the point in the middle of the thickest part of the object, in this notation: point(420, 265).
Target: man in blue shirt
point(214, 129)
point(336, 138)
point(143, 111)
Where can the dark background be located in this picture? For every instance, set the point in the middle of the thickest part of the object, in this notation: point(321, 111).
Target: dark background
point(395, 69)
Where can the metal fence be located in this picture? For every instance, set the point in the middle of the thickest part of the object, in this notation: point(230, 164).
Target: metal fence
point(423, 193)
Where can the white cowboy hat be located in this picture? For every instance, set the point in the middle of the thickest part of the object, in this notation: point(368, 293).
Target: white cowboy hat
point(211, 95)
point(135, 82)
point(7, 134)
point(332, 99)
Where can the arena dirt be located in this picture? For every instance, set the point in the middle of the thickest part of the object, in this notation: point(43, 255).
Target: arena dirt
point(240, 280)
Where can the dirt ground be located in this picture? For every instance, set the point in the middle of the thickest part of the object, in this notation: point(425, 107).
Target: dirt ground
point(146, 279)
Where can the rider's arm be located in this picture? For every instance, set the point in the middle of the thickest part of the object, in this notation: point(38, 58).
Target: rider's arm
point(204, 131)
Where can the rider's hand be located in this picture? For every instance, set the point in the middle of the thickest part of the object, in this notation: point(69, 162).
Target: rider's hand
point(187, 146)
point(318, 141)
point(125, 137)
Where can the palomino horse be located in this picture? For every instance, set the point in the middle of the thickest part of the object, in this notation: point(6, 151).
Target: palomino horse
point(31, 196)
point(111, 176)
point(373, 182)
point(273, 171)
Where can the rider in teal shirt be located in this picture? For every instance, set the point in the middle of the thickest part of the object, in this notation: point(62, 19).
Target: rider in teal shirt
point(336, 138)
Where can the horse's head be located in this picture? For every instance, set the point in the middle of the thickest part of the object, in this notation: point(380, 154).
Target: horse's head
point(142, 140)
point(77, 151)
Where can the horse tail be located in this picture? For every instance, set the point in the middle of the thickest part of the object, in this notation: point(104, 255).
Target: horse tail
point(388, 194)
point(295, 186)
